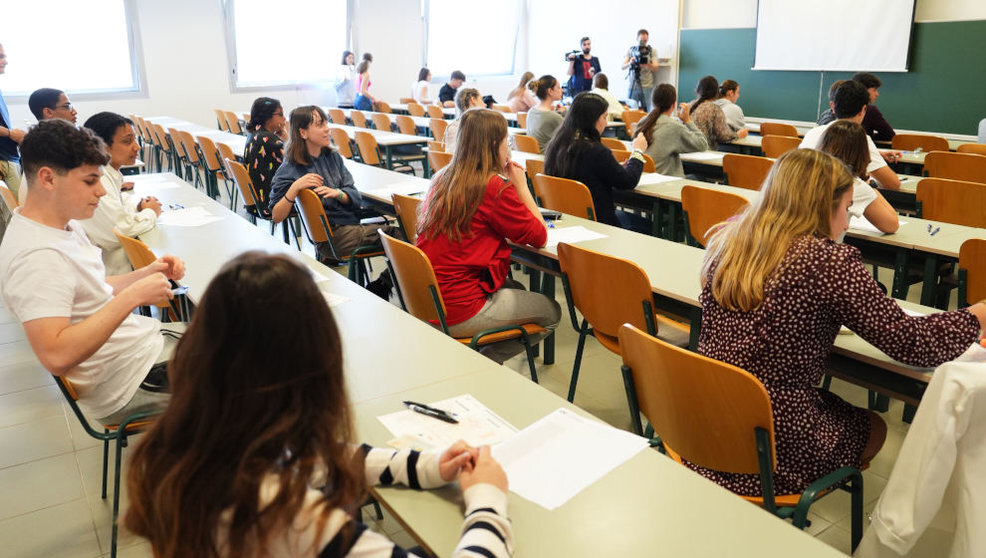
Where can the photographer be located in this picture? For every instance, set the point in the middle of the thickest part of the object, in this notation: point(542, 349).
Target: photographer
point(642, 61)
point(582, 68)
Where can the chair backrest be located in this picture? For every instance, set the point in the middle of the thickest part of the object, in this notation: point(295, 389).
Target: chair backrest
point(705, 410)
point(415, 109)
point(436, 145)
point(342, 142)
point(415, 278)
point(405, 125)
point(972, 262)
point(144, 129)
point(161, 137)
point(221, 120)
point(777, 129)
point(313, 216)
point(745, 171)
point(534, 167)
point(956, 166)
point(243, 182)
point(406, 208)
point(174, 137)
point(621, 155)
point(435, 111)
point(438, 126)
point(977, 148)
point(406, 100)
point(953, 201)
point(526, 143)
point(591, 277)
point(139, 255)
point(565, 195)
point(337, 116)
point(707, 208)
point(368, 150)
point(358, 118)
point(383, 107)
point(210, 153)
point(522, 120)
point(226, 152)
point(8, 197)
point(775, 146)
point(614, 144)
point(910, 142)
point(233, 122)
point(191, 148)
point(630, 119)
point(501, 108)
point(438, 159)
point(381, 121)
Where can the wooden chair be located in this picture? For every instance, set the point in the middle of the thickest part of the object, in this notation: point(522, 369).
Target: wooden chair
point(255, 206)
point(745, 171)
point(613, 143)
point(420, 296)
point(436, 145)
point(952, 201)
point(705, 208)
point(215, 170)
point(718, 416)
point(383, 107)
point(118, 434)
point(438, 159)
point(630, 119)
point(567, 196)
point(437, 127)
point(192, 152)
point(407, 100)
point(775, 146)
point(956, 166)
point(226, 152)
point(221, 120)
point(337, 116)
point(415, 109)
point(526, 143)
point(178, 156)
point(609, 292)
point(358, 118)
point(405, 125)
point(533, 168)
point(381, 121)
point(501, 108)
point(622, 155)
point(369, 153)
point(976, 148)
point(406, 208)
point(924, 142)
point(342, 142)
point(163, 147)
point(522, 120)
point(148, 149)
point(233, 122)
point(172, 309)
point(8, 197)
point(972, 272)
point(317, 228)
point(435, 111)
point(778, 129)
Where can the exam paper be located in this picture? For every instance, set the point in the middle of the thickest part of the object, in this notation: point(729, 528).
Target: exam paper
point(187, 217)
point(333, 299)
point(571, 235)
point(656, 178)
point(404, 188)
point(477, 425)
point(705, 156)
point(863, 224)
point(552, 460)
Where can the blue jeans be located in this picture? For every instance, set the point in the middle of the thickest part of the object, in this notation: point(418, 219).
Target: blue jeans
point(641, 95)
point(363, 103)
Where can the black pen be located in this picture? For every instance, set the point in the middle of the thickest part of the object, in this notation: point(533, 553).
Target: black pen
point(430, 411)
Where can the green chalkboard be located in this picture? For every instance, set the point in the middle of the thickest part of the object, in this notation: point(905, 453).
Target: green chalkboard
point(944, 89)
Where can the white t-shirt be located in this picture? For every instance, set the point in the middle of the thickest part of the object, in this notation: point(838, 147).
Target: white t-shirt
point(862, 196)
point(419, 91)
point(734, 114)
point(814, 137)
point(53, 273)
point(615, 108)
point(116, 209)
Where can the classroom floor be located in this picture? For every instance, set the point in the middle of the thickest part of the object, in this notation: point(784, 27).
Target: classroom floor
point(50, 468)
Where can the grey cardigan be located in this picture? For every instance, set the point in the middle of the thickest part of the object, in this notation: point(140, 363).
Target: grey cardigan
point(668, 138)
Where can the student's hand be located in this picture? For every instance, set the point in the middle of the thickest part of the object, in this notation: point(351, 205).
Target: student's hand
point(457, 456)
point(449, 104)
point(891, 156)
point(16, 135)
point(685, 113)
point(282, 132)
point(171, 266)
point(516, 174)
point(639, 142)
point(326, 192)
point(742, 133)
point(148, 290)
point(126, 186)
point(304, 182)
point(150, 202)
point(483, 470)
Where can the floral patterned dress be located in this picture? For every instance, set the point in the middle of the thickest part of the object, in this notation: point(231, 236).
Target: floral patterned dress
point(263, 155)
point(820, 286)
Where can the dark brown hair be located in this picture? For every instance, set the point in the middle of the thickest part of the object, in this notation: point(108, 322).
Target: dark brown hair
point(846, 140)
point(707, 90)
point(727, 86)
point(541, 85)
point(662, 99)
point(59, 145)
point(301, 119)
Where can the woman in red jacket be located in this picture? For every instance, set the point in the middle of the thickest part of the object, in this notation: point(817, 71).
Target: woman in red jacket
point(475, 205)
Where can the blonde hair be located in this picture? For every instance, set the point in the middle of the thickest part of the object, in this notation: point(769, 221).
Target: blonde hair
point(524, 79)
point(458, 189)
point(802, 190)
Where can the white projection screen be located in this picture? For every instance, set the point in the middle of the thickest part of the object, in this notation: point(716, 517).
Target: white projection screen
point(834, 35)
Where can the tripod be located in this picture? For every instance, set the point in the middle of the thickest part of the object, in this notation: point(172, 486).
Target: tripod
point(636, 90)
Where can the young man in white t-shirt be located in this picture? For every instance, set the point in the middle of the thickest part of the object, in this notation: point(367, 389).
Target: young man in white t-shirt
point(80, 323)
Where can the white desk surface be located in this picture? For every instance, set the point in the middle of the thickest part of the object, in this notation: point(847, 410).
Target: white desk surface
point(384, 138)
point(421, 121)
point(448, 111)
point(236, 142)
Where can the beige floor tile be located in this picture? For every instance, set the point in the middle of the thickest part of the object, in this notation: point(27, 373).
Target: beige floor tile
point(16, 352)
point(141, 549)
point(80, 438)
point(11, 331)
point(818, 524)
point(33, 440)
point(6, 317)
point(23, 375)
point(837, 538)
point(39, 484)
point(63, 531)
point(28, 405)
point(835, 507)
point(90, 464)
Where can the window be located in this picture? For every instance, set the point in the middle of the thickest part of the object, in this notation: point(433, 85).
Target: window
point(286, 42)
point(79, 47)
point(484, 49)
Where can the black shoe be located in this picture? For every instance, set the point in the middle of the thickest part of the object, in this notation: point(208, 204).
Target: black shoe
point(382, 286)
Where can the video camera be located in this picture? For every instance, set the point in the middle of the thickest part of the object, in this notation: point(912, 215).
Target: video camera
point(569, 56)
point(640, 54)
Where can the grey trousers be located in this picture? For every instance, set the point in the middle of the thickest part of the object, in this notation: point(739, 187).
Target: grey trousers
point(347, 238)
point(511, 305)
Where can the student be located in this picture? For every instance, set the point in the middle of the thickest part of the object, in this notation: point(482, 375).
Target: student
point(264, 150)
point(520, 98)
point(575, 152)
point(582, 68)
point(79, 322)
point(667, 137)
point(543, 120)
point(850, 103)
point(776, 288)
point(478, 202)
point(446, 95)
point(709, 117)
point(465, 99)
point(51, 103)
point(364, 100)
point(642, 73)
point(260, 419)
point(874, 123)
point(117, 209)
point(312, 164)
point(10, 138)
point(345, 80)
point(846, 141)
point(419, 91)
point(828, 115)
point(600, 86)
point(729, 92)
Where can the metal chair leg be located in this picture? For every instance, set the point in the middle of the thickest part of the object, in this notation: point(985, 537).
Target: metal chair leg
point(578, 362)
point(106, 451)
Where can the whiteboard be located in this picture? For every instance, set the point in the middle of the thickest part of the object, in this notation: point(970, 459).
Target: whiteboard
point(834, 35)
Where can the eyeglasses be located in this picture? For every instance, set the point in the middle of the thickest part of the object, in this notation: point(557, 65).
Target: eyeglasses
point(66, 106)
point(278, 113)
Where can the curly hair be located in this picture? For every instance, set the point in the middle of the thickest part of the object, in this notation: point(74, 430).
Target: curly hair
point(58, 144)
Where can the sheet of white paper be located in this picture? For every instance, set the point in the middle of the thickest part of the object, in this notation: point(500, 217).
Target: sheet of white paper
point(552, 460)
point(403, 188)
point(477, 424)
point(912, 312)
point(846, 331)
point(333, 299)
point(863, 224)
point(571, 235)
point(705, 156)
point(187, 217)
point(656, 178)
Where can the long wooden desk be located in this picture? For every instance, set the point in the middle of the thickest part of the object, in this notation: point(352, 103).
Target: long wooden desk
point(616, 515)
point(235, 142)
point(387, 140)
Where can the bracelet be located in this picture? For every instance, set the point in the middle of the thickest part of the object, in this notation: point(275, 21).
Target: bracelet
point(289, 200)
point(638, 155)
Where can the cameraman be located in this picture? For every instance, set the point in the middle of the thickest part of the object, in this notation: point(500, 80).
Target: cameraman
point(581, 68)
point(642, 61)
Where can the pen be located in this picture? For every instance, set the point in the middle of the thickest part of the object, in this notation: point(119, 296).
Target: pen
point(549, 224)
point(933, 232)
point(430, 412)
point(175, 206)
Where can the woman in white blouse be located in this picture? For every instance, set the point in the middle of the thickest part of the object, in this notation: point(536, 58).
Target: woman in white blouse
point(420, 89)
